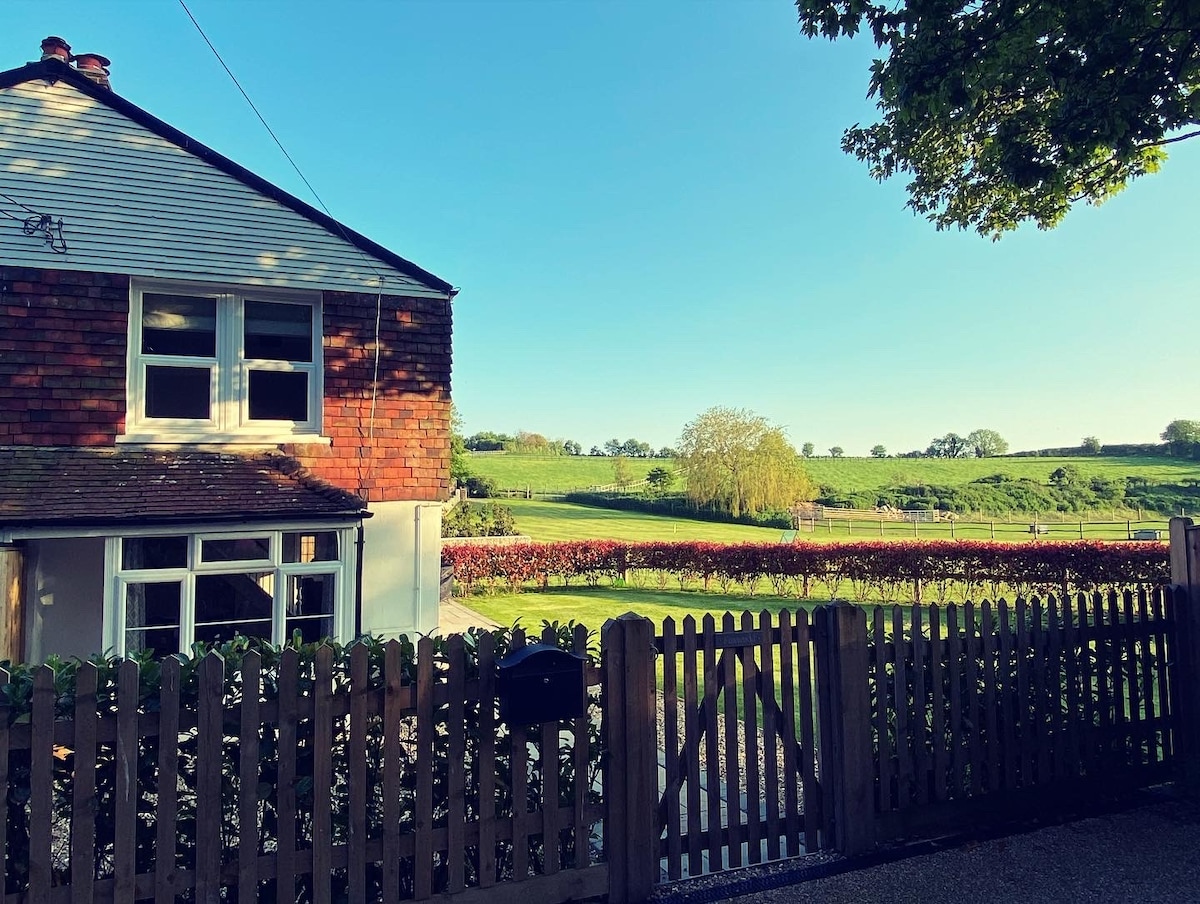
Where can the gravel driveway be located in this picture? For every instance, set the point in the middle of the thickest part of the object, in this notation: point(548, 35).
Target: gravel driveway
point(1147, 854)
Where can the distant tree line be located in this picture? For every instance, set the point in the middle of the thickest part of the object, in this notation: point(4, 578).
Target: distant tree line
point(527, 442)
point(976, 444)
point(1180, 439)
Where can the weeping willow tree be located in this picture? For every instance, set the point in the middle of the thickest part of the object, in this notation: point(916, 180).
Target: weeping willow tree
point(741, 462)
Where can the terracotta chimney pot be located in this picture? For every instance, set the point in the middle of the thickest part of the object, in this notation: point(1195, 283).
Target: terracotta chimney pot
point(55, 48)
point(94, 66)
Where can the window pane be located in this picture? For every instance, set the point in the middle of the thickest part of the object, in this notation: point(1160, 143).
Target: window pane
point(310, 600)
point(152, 617)
point(218, 633)
point(279, 332)
point(178, 392)
point(278, 395)
point(240, 549)
point(310, 547)
point(179, 325)
point(153, 552)
point(234, 598)
point(152, 604)
point(161, 642)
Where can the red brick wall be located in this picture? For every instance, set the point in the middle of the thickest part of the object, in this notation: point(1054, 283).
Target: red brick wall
point(62, 357)
point(407, 454)
point(62, 379)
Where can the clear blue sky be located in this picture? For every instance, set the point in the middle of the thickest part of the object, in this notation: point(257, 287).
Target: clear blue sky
point(648, 213)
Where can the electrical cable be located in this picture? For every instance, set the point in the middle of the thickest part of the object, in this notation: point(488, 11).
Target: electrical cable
point(13, 200)
point(366, 258)
point(261, 119)
point(38, 223)
point(380, 277)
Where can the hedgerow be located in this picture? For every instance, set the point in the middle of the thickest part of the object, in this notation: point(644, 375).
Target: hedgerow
point(867, 570)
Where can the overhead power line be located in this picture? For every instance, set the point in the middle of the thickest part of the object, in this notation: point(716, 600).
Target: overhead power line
point(366, 258)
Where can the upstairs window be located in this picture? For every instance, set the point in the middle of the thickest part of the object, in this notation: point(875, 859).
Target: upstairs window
point(223, 363)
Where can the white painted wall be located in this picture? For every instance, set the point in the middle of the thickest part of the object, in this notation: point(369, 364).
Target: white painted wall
point(65, 602)
point(401, 568)
point(132, 202)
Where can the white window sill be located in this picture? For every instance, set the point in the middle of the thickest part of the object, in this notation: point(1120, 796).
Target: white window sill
point(162, 438)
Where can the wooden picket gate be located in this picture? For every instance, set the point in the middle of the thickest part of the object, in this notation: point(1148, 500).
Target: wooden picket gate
point(738, 771)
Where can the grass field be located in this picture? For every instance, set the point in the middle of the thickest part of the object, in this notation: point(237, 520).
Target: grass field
point(854, 474)
point(593, 606)
point(556, 474)
point(547, 521)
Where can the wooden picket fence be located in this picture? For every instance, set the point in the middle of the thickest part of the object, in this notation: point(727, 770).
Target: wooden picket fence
point(784, 733)
point(303, 782)
point(374, 775)
point(980, 711)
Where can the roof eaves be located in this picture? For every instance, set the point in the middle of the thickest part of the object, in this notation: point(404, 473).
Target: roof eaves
point(24, 525)
point(54, 71)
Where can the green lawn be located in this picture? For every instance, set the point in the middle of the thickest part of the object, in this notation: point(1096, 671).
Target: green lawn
point(555, 473)
point(855, 474)
point(545, 521)
point(592, 607)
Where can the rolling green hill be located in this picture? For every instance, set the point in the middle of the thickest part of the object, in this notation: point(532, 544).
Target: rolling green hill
point(560, 473)
point(554, 473)
point(1169, 484)
point(858, 474)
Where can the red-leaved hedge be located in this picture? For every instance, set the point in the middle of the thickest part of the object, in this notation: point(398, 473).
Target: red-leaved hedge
point(878, 569)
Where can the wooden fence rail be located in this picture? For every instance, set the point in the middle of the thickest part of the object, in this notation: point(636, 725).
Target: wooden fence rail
point(309, 780)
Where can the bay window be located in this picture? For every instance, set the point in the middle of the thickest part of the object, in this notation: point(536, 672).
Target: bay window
point(207, 363)
point(169, 591)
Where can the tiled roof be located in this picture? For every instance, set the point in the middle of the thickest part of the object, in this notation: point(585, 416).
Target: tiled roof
point(81, 486)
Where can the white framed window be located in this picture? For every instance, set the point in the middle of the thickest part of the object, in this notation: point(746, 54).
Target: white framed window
point(169, 590)
point(222, 364)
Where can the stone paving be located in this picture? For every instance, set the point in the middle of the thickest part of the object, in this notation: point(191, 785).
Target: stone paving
point(454, 618)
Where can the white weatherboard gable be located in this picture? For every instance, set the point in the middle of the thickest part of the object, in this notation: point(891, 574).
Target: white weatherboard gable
point(134, 203)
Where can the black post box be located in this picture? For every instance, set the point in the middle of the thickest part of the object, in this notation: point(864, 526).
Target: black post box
point(540, 683)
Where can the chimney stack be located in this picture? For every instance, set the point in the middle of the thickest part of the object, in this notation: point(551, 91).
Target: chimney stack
point(55, 48)
point(95, 67)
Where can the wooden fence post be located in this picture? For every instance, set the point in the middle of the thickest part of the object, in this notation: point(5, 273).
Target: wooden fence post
point(631, 761)
point(1185, 574)
point(846, 756)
